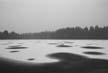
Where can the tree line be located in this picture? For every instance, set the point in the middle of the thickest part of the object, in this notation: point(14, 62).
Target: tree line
point(91, 32)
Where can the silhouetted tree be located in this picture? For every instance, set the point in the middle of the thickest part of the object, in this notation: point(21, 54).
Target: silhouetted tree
point(91, 32)
point(5, 34)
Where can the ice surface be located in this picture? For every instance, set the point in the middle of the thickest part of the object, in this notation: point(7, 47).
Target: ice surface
point(37, 50)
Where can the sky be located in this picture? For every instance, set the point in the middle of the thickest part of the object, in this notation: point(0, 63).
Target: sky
point(48, 15)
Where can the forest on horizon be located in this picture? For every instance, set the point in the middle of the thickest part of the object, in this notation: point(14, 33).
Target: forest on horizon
point(91, 32)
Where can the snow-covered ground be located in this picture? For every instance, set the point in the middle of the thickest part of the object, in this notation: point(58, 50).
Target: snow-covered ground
point(36, 51)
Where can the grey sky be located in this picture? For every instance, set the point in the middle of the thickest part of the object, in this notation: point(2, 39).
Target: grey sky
point(40, 15)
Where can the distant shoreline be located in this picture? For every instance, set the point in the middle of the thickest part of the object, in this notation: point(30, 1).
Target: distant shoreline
point(96, 33)
point(53, 39)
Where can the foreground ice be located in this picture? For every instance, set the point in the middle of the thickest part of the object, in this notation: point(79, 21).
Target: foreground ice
point(36, 51)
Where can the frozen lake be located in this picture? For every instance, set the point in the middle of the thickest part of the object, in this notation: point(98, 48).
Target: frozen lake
point(37, 51)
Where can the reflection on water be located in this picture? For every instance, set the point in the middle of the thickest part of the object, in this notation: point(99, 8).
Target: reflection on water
point(14, 51)
point(92, 47)
point(68, 57)
point(16, 47)
point(94, 53)
point(30, 59)
point(63, 45)
point(36, 51)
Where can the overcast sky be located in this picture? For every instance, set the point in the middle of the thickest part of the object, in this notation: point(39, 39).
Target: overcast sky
point(41, 15)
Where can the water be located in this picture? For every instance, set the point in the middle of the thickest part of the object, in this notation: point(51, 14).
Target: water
point(37, 51)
